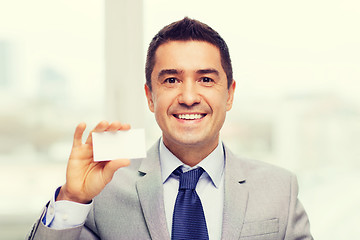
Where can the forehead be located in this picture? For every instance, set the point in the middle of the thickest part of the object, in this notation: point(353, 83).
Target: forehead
point(187, 55)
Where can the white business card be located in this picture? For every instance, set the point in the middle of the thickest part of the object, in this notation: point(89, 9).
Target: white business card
point(119, 145)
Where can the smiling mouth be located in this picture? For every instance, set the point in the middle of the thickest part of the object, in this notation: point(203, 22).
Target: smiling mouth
point(192, 116)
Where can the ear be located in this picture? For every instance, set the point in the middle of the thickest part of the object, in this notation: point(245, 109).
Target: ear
point(148, 94)
point(230, 99)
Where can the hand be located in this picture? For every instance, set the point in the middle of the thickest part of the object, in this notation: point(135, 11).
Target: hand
point(85, 178)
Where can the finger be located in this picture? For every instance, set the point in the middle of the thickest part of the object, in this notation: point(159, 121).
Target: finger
point(80, 128)
point(99, 128)
point(111, 167)
point(114, 126)
point(125, 127)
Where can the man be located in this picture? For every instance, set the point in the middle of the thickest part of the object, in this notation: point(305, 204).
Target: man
point(189, 87)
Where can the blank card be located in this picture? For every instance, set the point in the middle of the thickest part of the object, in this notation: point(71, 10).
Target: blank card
point(119, 145)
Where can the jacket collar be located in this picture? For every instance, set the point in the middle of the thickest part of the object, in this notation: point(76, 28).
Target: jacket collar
point(236, 197)
point(150, 192)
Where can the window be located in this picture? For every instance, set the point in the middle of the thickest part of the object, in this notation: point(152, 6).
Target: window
point(51, 78)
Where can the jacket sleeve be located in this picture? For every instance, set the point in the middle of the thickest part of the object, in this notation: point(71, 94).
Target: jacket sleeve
point(298, 226)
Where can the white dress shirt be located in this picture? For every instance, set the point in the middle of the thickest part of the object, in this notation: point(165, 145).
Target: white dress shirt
point(210, 188)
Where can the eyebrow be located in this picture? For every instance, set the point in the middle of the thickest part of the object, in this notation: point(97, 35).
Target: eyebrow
point(208, 71)
point(177, 72)
point(169, 72)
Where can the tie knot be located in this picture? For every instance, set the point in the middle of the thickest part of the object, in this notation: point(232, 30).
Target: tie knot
point(189, 179)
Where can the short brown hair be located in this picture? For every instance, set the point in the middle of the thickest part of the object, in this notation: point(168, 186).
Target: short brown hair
point(185, 30)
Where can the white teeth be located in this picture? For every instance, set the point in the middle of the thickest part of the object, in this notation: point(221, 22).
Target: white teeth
point(190, 116)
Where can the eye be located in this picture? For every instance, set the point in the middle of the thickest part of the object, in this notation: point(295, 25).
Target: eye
point(206, 81)
point(170, 80)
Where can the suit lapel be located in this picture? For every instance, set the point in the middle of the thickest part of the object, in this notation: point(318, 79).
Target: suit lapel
point(236, 197)
point(150, 192)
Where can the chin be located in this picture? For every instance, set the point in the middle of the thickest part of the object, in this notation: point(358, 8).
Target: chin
point(188, 140)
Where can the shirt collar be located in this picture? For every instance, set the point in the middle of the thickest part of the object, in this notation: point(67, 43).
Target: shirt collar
point(213, 164)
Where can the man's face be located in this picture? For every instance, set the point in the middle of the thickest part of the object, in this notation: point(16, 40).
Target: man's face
point(189, 94)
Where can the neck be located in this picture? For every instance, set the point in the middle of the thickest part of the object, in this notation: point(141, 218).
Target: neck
point(191, 154)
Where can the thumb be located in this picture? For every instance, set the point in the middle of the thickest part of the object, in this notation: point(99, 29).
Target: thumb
point(111, 167)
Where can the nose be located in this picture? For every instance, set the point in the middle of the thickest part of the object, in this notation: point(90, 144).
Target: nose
point(189, 94)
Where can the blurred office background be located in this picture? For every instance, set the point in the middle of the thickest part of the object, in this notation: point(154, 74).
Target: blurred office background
point(297, 105)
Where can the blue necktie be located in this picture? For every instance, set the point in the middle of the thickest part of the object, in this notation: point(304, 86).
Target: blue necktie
point(188, 218)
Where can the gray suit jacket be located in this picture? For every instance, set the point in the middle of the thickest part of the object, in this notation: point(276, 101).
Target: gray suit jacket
point(260, 204)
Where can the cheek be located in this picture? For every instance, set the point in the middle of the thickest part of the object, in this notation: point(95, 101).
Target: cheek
point(217, 100)
point(164, 100)
point(160, 105)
